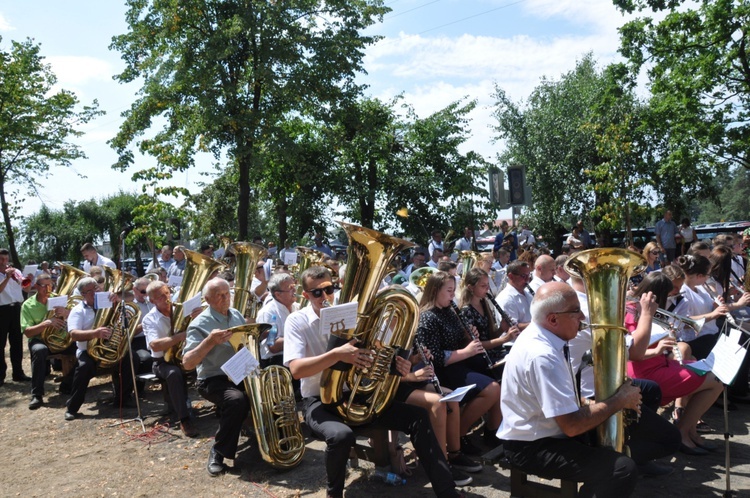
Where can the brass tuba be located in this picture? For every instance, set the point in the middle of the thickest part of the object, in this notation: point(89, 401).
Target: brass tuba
point(246, 257)
point(198, 270)
point(58, 340)
point(606, 273)
point(386, 323)
point(306, 258)
point(108, 352)
point(272, 404)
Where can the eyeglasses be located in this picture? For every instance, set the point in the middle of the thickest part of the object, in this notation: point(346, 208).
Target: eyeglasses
point(655, 253)
point(524, 276)
point(44, 283)
point(316, 293)
point(258, 268)
point(142, 291)
point(575, 311)
point(88, 291)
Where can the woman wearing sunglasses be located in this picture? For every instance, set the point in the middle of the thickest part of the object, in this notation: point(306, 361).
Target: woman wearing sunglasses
point(457, 359)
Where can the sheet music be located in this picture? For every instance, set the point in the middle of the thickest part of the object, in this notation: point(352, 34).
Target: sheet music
point(239, 366)
point(290, 258)
point(101, 301)
point(30, 270)
point(724, 360)
point(54, 302)
point(192, 303)
point(458, 394)
point(174, 281)
point(338, 318)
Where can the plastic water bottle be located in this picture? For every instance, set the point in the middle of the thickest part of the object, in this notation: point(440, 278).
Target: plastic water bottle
point(273, 332)
point(389, 477)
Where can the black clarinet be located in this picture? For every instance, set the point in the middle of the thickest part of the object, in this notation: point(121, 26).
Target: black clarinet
point(490, 366)
point(531, 291)
point(435, 381)
point(505, 316)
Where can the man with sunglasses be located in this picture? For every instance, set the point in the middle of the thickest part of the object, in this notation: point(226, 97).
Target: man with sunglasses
point(515, 299)
point(306, 354)
point(33, 322)
point(542, 411)
point(142, 360)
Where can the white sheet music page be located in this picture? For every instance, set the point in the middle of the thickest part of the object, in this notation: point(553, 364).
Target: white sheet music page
point(101, 301)
point(192, 303)
point(239, 366)
point(338, 318)
point(54, 302)
point(458, 394)
point(729, 355)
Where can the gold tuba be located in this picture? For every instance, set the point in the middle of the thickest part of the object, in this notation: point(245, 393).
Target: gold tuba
point(58, 340)
point(246, 257)
point(277, 425)
point(198, 270)
point(387, 322)
point(68, 279)
point(606, 273)
point(306, 258)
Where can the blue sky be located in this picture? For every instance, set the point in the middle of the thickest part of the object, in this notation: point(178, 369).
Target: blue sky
point(433, 51)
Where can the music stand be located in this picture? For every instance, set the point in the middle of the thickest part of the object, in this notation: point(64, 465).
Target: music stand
point(124, 327)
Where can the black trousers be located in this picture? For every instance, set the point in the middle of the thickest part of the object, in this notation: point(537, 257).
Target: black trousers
point(39, 354)
point(603, 472)
point(176, 386)
point(234, 406)
point(339, 438)
point(651, 436)
point(122, 381)
point(10, 331)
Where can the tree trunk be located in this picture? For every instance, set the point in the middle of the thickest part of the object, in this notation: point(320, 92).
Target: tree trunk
point(8, 226)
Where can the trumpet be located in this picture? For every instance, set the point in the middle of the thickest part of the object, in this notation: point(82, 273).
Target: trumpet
point(664, 316)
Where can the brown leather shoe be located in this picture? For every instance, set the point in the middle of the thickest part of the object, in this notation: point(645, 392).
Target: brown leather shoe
point(187, 428)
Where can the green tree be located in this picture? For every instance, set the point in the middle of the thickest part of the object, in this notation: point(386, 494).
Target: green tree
point(224, 73)
point(37, 125)
point(697, 62)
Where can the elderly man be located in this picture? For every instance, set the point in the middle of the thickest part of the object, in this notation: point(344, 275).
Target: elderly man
point(93, 258)
point(542, 412)
point(163, 260)
point(178, 267)
point(665, 231)
point(157, 325)
point(80, 326)
point(33, 322)
point(560, 274)
point(307, 355)
point(544, 271)
point(11, 297)
point(514, 299)
point(207, 348)
point(282, 289)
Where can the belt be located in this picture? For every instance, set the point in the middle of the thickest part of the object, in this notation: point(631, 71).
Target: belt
point(11, 305)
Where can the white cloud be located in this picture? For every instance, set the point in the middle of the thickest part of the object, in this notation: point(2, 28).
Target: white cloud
point(5, 24)
point(598, 15)
point(79, 70)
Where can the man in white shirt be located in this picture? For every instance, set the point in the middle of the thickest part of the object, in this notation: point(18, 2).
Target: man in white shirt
point(157, 325)
point(142, 360)
point(11, 297)
point(418, 260)
point(542, 412)
point(544, 271)
point(514, 298)
point(307, 355)
point(93, 258)
point(435, 256)
point(436, 242)
point(464, 243)
point(282, 289)
point(560, 274)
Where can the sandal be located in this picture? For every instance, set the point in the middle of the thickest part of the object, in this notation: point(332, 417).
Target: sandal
point(703, 428)
point(676, 414)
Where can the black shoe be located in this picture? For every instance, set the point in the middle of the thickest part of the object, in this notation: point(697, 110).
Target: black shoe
point(697, 451)
point(70, 416)
point(459, 477)
point(215, 463)
point(654, 469)
point(36, 402)
point(491, 439)
point(22, 377)
point(463, 463)
point(64, 389)
point(469, 448)
point(707, 446)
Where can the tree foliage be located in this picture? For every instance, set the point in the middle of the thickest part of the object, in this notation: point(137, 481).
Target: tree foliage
point(37, 126)
point(223, 75)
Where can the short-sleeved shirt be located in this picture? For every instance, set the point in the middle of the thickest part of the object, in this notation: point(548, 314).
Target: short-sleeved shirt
point(515, 304)
point(101, 262)
point(156, 326)
point(698, 302)
point(537, 386)
point(666, 231)
point(303, 338)
point(265, 315)
point(200, 328)
point(32, 313)
point(13, 293)
point(81, 317)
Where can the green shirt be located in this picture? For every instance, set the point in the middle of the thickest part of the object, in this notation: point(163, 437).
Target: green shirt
point(200, 328)
point(32, 313)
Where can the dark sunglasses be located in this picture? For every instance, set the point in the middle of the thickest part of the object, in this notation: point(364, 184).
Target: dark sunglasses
point(142, 291)
point(316, 293)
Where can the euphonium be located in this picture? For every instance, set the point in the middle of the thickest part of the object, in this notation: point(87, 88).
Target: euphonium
point(468, 259)
point(277, 426)
point(386, 324)
point(198, 269)
point(58, 340)
point(606, 273)
point(68, 279)
point(306, 258)
point(246, 257)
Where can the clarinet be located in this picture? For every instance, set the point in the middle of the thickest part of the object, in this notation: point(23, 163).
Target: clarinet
point(428, 363)
point(531, 291)
point(471, 336)
point(505, 316)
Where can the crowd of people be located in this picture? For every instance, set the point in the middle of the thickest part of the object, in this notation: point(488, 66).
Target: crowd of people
point(509, 323)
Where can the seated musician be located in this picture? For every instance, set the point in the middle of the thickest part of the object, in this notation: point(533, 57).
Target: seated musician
point(515, 299)
point(544, 271)
point(282, 290)
point(307, 356)
point(542, 415)
point(33, 322)
point(157, 326)
point(458, 360)
point(207, 348)
point(142, 360)
point(80, 323)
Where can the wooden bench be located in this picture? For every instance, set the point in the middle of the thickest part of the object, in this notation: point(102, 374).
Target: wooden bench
point(377, 453)
point(522, 487)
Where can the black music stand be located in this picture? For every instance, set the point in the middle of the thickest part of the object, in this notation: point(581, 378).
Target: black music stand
point(124, 327)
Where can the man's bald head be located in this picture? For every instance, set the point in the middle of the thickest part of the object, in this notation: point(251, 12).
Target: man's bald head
point(544, 267)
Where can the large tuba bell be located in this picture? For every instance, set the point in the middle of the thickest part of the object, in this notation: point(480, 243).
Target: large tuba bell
point(606, 273)
point(58, 340)
point(108, 352)
point(277, 426)
point(68, 279)
point(386, 323)
point(306, 258)
point(198, 270)
point(246, 257)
